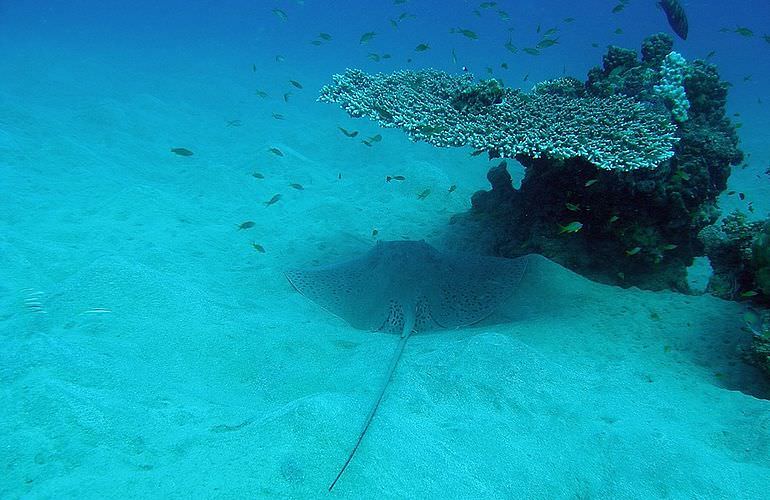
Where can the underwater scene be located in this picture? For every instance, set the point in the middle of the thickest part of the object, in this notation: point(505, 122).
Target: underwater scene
point(385, 250)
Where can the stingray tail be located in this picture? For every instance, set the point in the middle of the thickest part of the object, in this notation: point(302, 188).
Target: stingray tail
point(407, 331)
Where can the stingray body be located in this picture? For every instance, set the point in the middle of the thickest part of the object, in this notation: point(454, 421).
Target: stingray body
point(408, 286)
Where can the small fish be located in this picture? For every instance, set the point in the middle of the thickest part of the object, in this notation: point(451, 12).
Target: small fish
point(572, 207)
point(452, 188)
point(97, 310)
point(316, 42)
point(511, 48)
point(273, 200)
point(422, 47)
point(676, 17)
point(742, 196)
point(393, 24)
point(618, 8)
point(246, 225)
point(503, 15)
point(591, 182)
point(394, 178)
point(325, 36)
point(454, 57)
point(278, 116)
point(669, 246)
point(526, 77)
point(749, 293)
point(595, 45)
point(550, 31)
point(711, 54)
point(257, 175)
point(259, 248)
point(753, 322)
point(477, 152)
point(546, 42)
point(569, 20)
point(260, 93)
point(743, 31)
point(766, 38)
point(182, 151)
point(279, 58)
point(633, 251)
point(280, 14)
point(531, 51)
point(296, 186)
point(618, 31)
point(375, 232)
point(367, 37)
point(347, 133)
point(538, 29)
point(572, 227)
point(254, 68)
point(374, 57)
point(375, 138)
point(466, 33)
point(666, 348)
point(747, 78)
point(504, 65)
point(296, 83)
point(286, 96)
point(234, 123)
point(276, 151)
point(365, 142)
point(614, 218)
point(423, 194)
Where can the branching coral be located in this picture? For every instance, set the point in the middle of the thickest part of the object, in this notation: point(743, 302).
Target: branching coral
point(671, 86)
point(613, 133)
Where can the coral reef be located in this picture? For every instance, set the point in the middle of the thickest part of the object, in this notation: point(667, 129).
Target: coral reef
point(612, 132)
point(671, 86)
point(739, 252)
point(597, 155)
point(639, 227)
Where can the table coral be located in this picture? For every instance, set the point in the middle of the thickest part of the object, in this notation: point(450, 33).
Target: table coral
point(613, 133)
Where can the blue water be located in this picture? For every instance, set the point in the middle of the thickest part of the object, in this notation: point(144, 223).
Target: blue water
point(147, 349)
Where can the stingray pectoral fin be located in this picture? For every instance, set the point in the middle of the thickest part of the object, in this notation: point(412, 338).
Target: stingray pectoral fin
point(405, 333)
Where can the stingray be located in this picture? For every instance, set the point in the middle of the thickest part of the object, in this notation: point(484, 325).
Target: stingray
point(408, 286)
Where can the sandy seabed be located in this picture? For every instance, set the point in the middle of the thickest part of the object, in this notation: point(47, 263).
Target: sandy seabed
point(149, 350)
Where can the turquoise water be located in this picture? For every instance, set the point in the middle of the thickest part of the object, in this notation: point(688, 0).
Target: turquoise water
point(148, 349)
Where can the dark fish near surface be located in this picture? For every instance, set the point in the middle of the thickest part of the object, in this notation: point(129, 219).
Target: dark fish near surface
point(677, 19)
point(246, 225)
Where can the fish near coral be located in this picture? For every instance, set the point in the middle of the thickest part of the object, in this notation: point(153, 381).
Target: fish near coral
point(572, 227)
